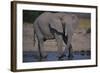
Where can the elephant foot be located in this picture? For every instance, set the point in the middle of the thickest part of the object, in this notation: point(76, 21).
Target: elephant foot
point(43, 58)
point(61, 57)
point(70, 57)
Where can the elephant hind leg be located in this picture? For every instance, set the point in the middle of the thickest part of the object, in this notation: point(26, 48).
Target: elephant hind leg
point(42, 54)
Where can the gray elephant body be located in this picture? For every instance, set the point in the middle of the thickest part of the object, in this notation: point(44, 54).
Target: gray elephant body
point(59, 26)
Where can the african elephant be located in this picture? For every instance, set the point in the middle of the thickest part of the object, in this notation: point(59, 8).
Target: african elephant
point(59, 26)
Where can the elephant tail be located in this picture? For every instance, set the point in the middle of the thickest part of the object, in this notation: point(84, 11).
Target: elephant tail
point(34, 36)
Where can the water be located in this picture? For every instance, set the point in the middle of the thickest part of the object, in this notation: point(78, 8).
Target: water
point(52, 56)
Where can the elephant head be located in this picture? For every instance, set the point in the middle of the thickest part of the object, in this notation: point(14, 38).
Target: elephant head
point(63, 22)
point(71, 22)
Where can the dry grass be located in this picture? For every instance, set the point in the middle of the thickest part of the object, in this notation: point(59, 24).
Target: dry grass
point(85, 23)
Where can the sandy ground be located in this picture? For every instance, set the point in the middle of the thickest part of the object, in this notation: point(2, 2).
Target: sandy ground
point(80, 40)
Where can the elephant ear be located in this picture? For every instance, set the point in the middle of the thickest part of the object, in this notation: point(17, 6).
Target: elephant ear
point(56, 24)
point(75, 21)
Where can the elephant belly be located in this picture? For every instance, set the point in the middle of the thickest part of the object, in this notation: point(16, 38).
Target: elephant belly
point(46, 32)
point(48, 35)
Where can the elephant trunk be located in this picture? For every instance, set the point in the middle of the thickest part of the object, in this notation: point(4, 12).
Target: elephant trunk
point(65, 37)
point(64, 29)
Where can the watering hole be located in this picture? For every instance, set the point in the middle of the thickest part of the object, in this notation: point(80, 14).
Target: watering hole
point(81, 43)
point(30, 56)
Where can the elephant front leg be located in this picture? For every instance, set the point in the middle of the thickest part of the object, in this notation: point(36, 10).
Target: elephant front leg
point(70, 55)
point(59, 45)
point(42, 54)
point(68, 47)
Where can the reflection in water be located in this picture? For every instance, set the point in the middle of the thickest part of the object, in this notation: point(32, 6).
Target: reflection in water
point(52, 56)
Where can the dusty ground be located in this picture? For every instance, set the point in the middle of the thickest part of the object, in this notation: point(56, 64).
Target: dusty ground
point(80, 40)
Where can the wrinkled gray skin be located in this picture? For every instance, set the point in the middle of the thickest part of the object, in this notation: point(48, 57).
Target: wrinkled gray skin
point(59, 26)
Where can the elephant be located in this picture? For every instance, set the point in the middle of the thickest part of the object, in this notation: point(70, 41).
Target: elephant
point(59, 26)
